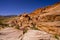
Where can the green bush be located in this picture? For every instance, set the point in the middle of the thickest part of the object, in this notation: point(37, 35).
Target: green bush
point(17, 27)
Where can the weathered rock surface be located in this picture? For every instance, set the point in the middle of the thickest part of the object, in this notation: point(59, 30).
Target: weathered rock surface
point(14, 34)
point(10, 34)
point(38, 35)
point(46, 20)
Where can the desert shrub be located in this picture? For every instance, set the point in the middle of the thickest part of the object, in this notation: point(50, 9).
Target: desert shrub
point(3, 24)
point(24, 31)
point(17, 27)
point(56, 36)
point(34, 26)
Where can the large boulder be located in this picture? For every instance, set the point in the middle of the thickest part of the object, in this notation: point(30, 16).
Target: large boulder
point(37, 35)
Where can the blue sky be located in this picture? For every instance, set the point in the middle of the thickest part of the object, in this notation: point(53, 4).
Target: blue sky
point(15, 7)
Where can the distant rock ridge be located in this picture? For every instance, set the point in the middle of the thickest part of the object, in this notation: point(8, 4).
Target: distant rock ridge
point(45, 19)
point(39, 10)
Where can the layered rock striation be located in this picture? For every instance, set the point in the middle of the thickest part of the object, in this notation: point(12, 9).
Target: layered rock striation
point(45, 19)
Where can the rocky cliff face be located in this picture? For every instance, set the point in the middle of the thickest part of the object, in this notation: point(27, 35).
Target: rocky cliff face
point(41, 24)
point(45, 19)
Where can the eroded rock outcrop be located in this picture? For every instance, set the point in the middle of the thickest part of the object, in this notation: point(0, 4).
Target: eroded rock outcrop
point(41, 23)
point(45, 19)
